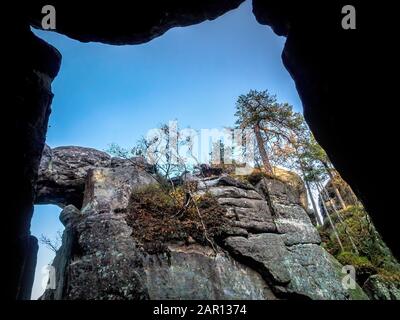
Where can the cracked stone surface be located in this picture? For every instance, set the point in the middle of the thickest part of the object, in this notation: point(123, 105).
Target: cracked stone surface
point(270, 249)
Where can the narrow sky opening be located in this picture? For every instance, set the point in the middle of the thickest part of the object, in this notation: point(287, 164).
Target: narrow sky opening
point(45, 222)
point(106, 94)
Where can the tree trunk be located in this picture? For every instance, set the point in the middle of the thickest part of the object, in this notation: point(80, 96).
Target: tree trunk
point(261, 148)
point(335, 189)
point(313, 203)
point(331, 222)
point(341, 220)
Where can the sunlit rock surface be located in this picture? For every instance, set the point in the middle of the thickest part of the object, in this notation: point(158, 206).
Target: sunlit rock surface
point(270, 249)
point(63, 172)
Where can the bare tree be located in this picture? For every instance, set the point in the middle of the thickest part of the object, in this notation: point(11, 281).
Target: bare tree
point(164, 152)
point(52, 244)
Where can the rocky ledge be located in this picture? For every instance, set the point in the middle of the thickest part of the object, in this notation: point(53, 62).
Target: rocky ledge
point(269, 249)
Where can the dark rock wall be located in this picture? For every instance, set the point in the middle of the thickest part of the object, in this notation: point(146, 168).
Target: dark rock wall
point(38, 64)
point(341, 80)
point(119, 23)
point(339, 76)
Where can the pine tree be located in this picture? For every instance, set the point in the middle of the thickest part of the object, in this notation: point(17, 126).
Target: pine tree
point(273, 123)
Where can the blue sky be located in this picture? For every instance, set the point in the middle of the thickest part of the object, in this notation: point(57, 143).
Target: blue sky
point(105, 94)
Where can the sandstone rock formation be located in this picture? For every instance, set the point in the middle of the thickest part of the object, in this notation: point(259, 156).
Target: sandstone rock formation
point(270, 249)
point(63, 172)
point(328, 64)
point(295, 182)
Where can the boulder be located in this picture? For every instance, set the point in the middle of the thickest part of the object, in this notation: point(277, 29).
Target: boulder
point(378, 288)
point(63, 172)
point(109, 189)
point(297, 271)
point(199, 273)
point(266, 252)
point(295, 182)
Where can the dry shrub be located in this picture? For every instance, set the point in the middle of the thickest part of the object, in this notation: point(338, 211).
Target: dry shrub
point(156, 217)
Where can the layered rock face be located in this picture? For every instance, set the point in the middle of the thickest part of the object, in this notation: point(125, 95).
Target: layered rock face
point(277, 238)
point(270, 249)
point(329, 65)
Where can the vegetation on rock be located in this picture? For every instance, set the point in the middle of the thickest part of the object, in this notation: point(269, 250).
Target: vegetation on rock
point(173, 211)
point(157, 217)
point(272, 122)
point(373, 256)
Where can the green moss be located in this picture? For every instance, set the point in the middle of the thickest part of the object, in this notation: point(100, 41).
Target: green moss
point(346, 258)
point(374, 257)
